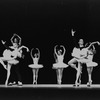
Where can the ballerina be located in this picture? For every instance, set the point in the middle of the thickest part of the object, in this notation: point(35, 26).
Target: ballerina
point(59, 65)
point(10, 56)
point(35, 66)
point(90, 64)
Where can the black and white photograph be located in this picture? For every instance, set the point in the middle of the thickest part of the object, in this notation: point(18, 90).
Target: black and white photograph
point(49, 49)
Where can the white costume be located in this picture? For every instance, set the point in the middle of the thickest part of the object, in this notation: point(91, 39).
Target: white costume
point(79, 55)
point(59, 65)
point(35, 66)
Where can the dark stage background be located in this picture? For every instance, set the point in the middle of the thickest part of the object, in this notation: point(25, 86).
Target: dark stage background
point(44, 24)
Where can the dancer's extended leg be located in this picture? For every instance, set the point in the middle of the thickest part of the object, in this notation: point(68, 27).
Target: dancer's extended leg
point(58, 71)
point(36, 75)
point(78, 75)
point(1, 61)
point(61, 74)
point(72, 63)
point(89, 69)
point(8, 73)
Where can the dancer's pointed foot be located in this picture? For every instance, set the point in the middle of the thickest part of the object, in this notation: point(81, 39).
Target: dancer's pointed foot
point(34, 82)
point(10, 84)
point(59, 82)
point(89, 83)
point(14, 83)
point(5, 67)
point(77, 84)
point(20, 83)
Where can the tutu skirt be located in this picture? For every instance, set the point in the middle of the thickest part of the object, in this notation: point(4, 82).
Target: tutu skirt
point(89, 63)
point(92, 64)
point(35, 66)
point(59, 65)
point(83, 60)
point(13, 62)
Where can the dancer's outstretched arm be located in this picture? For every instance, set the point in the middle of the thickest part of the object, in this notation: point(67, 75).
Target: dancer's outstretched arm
point(23, 47)
point(93, 44)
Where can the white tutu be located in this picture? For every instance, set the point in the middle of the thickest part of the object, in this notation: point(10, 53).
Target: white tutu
point(59, 65)
point(7, 54)
point(92, 64)
point(13, 62)
point(89, 63)
point(36, 66)
point(83, 60)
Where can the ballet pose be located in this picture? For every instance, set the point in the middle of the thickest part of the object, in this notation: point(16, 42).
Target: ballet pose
point(59, 65)
point(35, 66)
point(11, 55)
point(87, 56)
point(76, 54)
point(90, 64)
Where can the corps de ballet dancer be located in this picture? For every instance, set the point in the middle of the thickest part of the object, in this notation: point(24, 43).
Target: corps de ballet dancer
point(90, 64)
point(76, 56)
point(10, 55)
point(90, 50)
point(59, 65)
point(35, 66)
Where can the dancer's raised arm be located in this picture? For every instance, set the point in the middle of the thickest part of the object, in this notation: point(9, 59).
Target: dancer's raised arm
point(55, 57)
point(72, 32)
point(55, 49)
point(73, 36)
point(31, 52)
point(55, 53)
point(63, 49)
point(18, 37)
point(38, 53)
point(4, 43)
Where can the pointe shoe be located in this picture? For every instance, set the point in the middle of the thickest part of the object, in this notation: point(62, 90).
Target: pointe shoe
point(89, 83)
point(19, 83)
point(10, 84)
point(35, 82)
point(59, 82)
point(77, 84)
point(14, 83)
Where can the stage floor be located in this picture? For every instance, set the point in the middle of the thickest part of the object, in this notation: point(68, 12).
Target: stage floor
point(50, 92)
point(51, 86)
